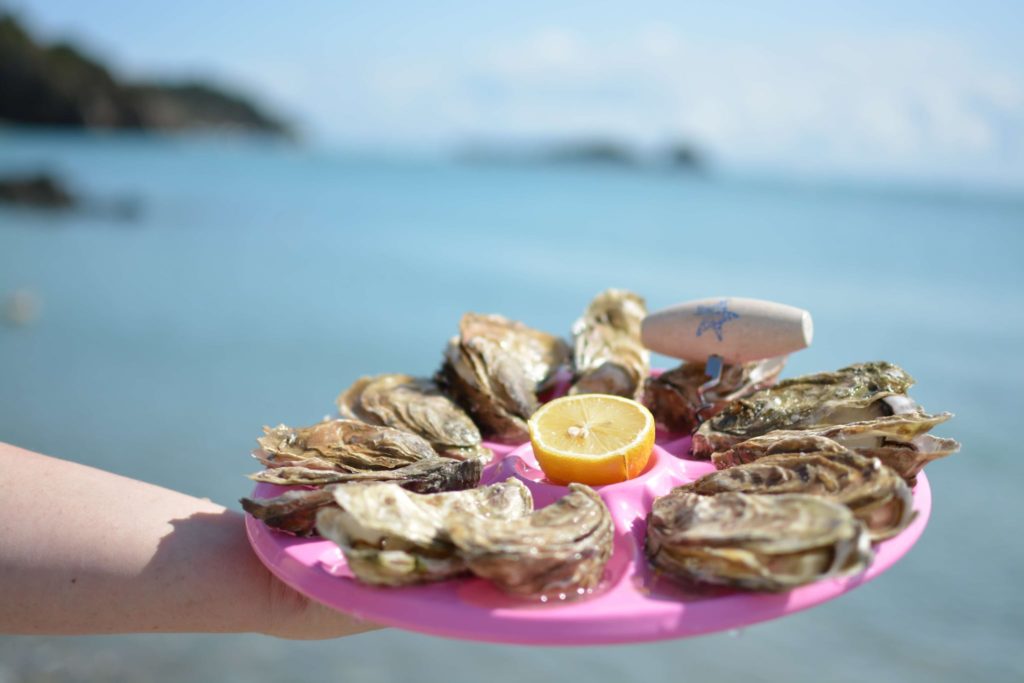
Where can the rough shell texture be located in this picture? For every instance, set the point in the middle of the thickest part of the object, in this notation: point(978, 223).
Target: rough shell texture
point(608, 356)
point(851, 394)
point(909, 461)
point(415, 405)
point(559, 551)
point(342, 446)
point(295, 511)
point(673, 396)
point(393, 537)
point(875, 494)
point(425, 476)
point(899, 441)
point(755, 542)
point(496, 367)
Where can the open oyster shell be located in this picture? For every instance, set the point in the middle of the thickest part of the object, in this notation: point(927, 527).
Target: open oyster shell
point(558, 551)
point(673, 400)
point(755, 542)
point(875, 494)
point(899, 441)
point(341, 445)
point(392, 537)
point(855, 393)
point(608, 356)
point(496, 367)
point(415, 405)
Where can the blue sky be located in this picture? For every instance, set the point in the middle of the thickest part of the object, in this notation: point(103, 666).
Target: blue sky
point(922, 91)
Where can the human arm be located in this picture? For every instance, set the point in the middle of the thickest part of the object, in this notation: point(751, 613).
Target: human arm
point(83, 551)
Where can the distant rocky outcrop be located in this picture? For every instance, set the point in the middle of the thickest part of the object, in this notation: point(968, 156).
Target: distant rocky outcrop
point(38, 190)
point(46, 191)
point(589, 152)
point(685, 156)
point(59, 85)
point(595, 152)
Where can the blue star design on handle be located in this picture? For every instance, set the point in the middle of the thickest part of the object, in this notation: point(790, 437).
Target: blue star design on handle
point(713, 317)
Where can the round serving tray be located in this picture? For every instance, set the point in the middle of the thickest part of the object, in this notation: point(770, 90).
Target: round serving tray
point(631, 605)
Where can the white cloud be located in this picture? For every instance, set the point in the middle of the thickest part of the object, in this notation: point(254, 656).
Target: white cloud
point(546, 53)
point(914, 104)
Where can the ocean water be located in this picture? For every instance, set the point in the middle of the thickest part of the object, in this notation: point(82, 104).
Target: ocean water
point(260, 279)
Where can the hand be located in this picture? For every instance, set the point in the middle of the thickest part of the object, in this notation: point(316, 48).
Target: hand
point(88, 552)
point(294, 616)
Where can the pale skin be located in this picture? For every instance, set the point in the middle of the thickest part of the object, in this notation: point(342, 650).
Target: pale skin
point(83, 551)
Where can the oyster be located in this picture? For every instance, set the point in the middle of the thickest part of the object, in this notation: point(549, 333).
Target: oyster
point(496, 367)
point(609, 358)
point(909, 459)
point(415, 405)
point(875, 494)
point(342, 446)
point(425, 476)
point(780, 441)
point(295, 511)
point(392, 537)
point(858, 392)
point(560, 550)
point(899, 441)
point(673, 399)
point(756, 542)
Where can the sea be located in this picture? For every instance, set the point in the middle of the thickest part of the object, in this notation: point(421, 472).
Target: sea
point(213, 285)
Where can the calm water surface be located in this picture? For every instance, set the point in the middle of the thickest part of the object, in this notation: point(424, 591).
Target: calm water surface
point(259, 280)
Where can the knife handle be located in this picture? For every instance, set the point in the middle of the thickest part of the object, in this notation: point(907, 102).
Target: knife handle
point(739, 330)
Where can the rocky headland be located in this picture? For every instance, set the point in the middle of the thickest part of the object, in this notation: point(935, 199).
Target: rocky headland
point(60, 85)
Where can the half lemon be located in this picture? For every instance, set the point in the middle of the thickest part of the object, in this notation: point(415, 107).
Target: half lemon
point(592, 439)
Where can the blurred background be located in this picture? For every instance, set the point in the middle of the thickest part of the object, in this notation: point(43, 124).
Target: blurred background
point(215, 216)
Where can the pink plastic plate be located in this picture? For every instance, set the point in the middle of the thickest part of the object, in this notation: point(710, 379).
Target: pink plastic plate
point(631, 605)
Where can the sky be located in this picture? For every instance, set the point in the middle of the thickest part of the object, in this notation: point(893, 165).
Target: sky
point(924, 91)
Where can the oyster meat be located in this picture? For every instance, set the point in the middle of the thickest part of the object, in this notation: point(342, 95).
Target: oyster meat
point(755, 542)
point(855, 393)
point(673, 399)
point(899, 441)
point(875, 494)
point(415, 405)
point(392, 537)
point(342, 446)
point(558, 551)
point(608, 356)
point(496, 367)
